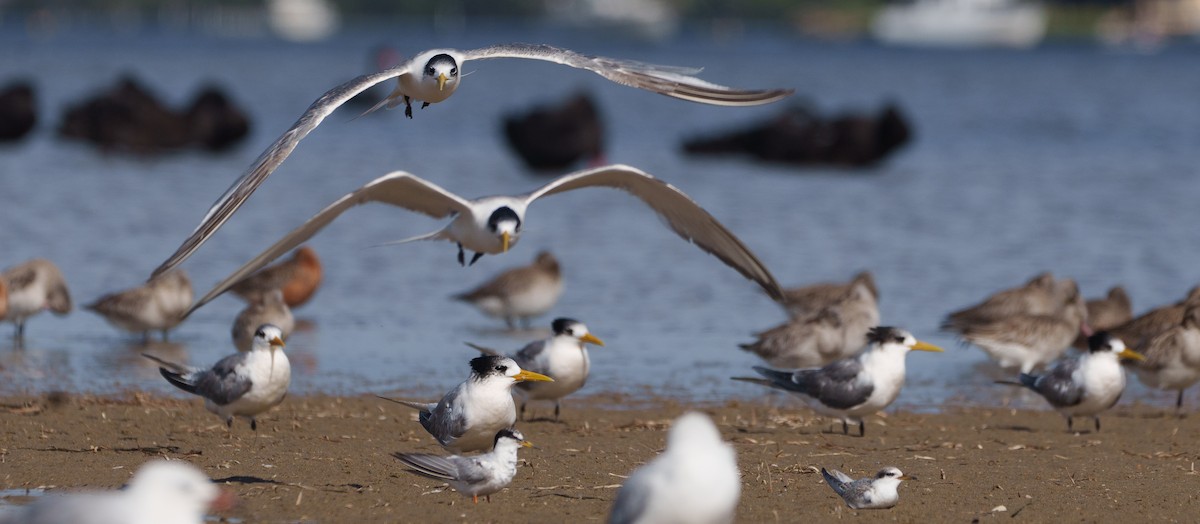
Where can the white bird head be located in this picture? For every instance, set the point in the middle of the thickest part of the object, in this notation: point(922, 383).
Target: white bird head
point(268, 337)
point(511, 437)
point(568, 327)
point(885, 337)
point(890, 475)
point(506, 224)
point(173, 489)
point(693, 430)
point(443, 70)
point(490, 367)
point(1102, 342)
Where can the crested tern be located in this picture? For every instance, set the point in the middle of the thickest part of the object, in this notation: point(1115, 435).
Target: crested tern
point(1084, 385)
point(562, 357)
point(475, 475)
point(34, 286)
point(298, 277)
point(468, 416)
point(157, 305)
point(239, 385)
point(853, 387)
point(431, 77)
point(519, 293)
point(1172, 357)
point(695, 480)
point(1030, 341)
point(269, 308)
point(807, 300)
point(878, 492)
point(835, 331)
point(494, 224)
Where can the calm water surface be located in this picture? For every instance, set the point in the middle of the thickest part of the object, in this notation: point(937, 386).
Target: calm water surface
point(1070, 158)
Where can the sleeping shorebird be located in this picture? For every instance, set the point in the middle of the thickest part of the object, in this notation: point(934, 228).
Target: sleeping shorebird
point(1172, 357)
point(239, 385)
point(878, 492)
point(270, 308)
point(853, 387)
point(1106, 313)
point(432, 76)
point(33, 287)
point(475, 475)
point(562, 357)
point(837, 330)
point(694, 480)
point(808, 300)
point(494, 224)
point(298, 278)
point(468, 416)
point(157, 305)
point(520, 293)
point(1028, 341)
point(1042, 295)
point(1158, 320)
point(1084, 385)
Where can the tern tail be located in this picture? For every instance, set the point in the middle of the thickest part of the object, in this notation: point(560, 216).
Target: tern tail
point(436, 235)
point(419, 406)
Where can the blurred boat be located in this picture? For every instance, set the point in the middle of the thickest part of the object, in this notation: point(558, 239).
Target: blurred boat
point(553, 138)
point(652, 20)
point(18, 111)
point(303, 20)
point(961, 23)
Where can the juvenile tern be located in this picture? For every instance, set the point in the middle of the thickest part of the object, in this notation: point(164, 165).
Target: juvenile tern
point(807, 300)
point(562, 357)
point(837, 330)
point(161, 492)
point(475, 475)
point(33, 287)
point(1172, 357)
point(494, 224)
point(157, 305)
point(853, 387)
point(241, 384)
point(1084, 385)
point(468, 417)
point(269, 308)
point(519, 293)
point(432, 76)
point(867, 493)
point(695, 480)
point(1029, 341)
point(298, 278)
point(1039, 296)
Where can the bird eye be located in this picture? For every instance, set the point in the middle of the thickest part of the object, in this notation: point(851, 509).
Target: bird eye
point(429, 71)
point(502, 369)
point(900, 339)
point(453, 71)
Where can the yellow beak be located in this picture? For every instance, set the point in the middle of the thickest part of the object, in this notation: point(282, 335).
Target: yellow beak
point(441, 78)
point(531, 376)
point(592, 338)
point(1130, 354)
point(904, 477)
point(922, 346)
point(277, 342)
point(505, 240)
point(526, 444)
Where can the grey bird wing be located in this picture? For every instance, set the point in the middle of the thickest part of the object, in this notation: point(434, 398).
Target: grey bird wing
point(667, 80)
point(222, 384)
point(857, 492)
point(1057, 386)
point(529, 356)
point(632, 500)
point(419, 406)
point(432, 466)
point(836, 480)
point(834, 385)
point(398, 188)
point(269, 160)
point(681, 213)
point(443, 422)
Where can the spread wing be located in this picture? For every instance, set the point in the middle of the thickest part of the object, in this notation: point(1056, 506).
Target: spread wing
point(672, 81)
point(686, 218)
point(270, 159)
point(397, 188)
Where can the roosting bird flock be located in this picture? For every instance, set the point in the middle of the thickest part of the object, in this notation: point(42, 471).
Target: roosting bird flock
point(832, 352)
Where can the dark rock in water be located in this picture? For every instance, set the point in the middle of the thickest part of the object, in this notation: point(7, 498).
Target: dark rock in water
point(18, 111)
point(799, 136)
point(130, 118)
point(556, 137)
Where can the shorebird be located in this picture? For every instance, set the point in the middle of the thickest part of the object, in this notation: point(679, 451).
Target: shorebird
point(853, 387)
point(33, 287)
point(520, 293)
point(562, 357)
point(468, 417)
point(270, 308)
point(475, 475)
point(432, 76)
point(1040, 296)
point(1029, 341)
point(298, 278)
point(807, 300)
point(1158, 320)
point(3, 299)
point(161, 492)
point(878, 492)
point(157, 305)
point(494, 224)
point(694, 480)
point(239, 385)
point(837, 330)
point(1106, 313)
point(1172, 357)
point(1085, 385)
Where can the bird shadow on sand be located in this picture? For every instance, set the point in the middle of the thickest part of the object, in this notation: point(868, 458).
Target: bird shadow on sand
point(247, 480)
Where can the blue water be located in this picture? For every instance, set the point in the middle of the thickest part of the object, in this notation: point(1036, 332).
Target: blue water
point(1070, 158)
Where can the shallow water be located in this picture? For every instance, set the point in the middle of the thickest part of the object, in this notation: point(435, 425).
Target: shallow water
point(1069, 158)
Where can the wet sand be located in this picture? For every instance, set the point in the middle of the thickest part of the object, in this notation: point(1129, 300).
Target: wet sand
point(327, 459)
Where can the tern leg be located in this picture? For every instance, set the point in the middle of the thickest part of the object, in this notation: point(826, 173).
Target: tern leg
point(254, 426)
point(462, 260)
point(862, 429)
point(475, 258)
point(423, 106)
point(845, 427)
point(407, 107)
point(1097, 423)
point(557, 406)
point(1069, 424)
point(1179, 401)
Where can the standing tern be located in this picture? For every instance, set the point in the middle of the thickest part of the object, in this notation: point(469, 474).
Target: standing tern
point(1172, 357)
point(519, 293)
point(157, 305)
point(33, 287)
point(562, 357)
point(867, 493)
point(434, 75)
point(1085, 385)
point(239, 385)
point(476, 475)
point(695, 480)
point(851, 388)
point(468, 416)
point(494, 224)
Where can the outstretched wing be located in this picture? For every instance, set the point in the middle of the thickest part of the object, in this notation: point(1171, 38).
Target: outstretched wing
point(672, 81)
point(681, 213)
point(270, 159)
point(397, 188)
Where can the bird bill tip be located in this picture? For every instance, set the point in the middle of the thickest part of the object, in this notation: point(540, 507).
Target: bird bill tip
point(527, 444)
point(592, 339)
point(277, 342)
point(1130, 354)
point(924, 346)
point(529, 376)
point(505, 241)
point(441, 80)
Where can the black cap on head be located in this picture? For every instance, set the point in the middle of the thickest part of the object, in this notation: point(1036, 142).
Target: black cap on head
point(502, 214)
point(881, 334)
point(488, 364)
point(560, 325)
point(511, 433)
point(1100, 341)
point(440, 58)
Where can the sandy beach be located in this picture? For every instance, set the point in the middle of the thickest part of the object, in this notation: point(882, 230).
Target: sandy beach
point(327, 459)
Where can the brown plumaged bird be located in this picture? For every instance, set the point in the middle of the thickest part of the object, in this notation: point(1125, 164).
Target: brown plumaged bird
point(298, 278)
